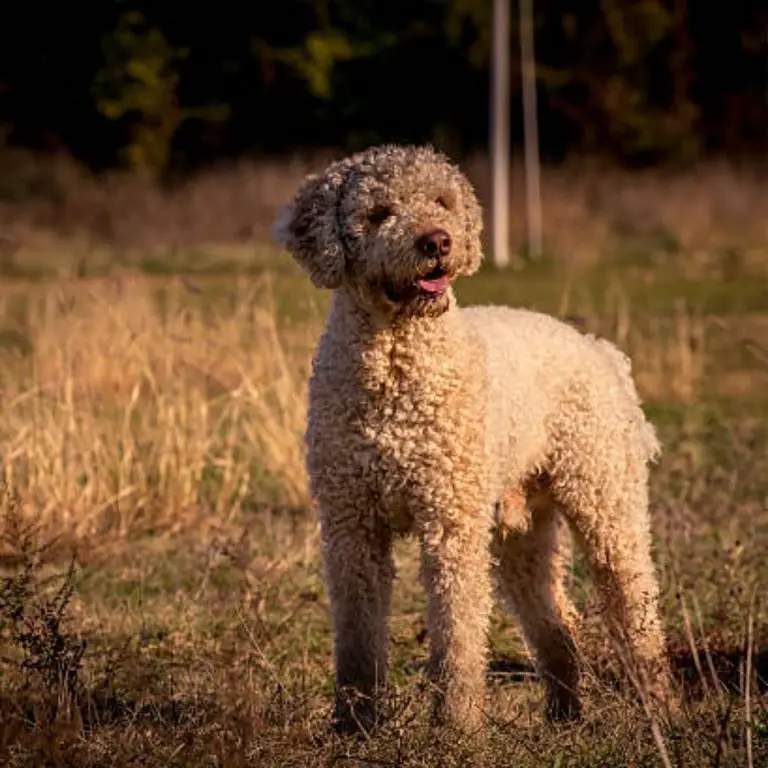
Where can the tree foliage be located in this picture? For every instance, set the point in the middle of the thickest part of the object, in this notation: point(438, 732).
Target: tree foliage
point(139, 82)
point(159, 86)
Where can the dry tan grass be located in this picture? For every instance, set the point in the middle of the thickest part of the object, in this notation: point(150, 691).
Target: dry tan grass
point(123, 415)
point(670, 356)
point(589, 209)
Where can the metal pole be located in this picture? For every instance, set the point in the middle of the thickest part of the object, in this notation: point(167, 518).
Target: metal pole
point(500, 133)
point(530, 130)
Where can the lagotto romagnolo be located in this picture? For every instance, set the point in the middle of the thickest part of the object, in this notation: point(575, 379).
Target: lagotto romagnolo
point(489, 433)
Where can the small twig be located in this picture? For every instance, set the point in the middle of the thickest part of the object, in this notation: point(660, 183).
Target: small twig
point(692, 644)
point(718, 683)
point(266, 663)
point(175, 752)
point(213, 552)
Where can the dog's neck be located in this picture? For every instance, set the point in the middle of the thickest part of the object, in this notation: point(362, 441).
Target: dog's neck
point(360, 326)
point(377, 352)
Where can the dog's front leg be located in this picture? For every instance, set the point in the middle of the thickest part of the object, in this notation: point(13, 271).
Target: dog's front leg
point(359, 572)
point(455, 570)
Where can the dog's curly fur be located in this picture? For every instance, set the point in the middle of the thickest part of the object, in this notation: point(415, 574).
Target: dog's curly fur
point(479, 430)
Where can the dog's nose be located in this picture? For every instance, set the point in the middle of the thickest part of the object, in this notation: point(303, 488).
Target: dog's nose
point(435, 243)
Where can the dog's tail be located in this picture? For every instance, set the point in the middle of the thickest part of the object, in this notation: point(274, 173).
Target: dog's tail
point(622, 367)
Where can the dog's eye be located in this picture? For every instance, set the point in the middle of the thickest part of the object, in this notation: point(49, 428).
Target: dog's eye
point(445, 201)
point(379, 214)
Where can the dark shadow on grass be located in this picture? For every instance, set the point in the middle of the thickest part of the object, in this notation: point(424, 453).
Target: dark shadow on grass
point(99, 710)
point(503, 670)
point(728, 665)
point(506, 671)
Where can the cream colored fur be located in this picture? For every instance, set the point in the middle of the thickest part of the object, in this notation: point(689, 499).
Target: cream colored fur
point(482, 431)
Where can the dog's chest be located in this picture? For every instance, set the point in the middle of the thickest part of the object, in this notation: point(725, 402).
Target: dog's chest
point(405, 425)
point(412, 433)
point(405, 451)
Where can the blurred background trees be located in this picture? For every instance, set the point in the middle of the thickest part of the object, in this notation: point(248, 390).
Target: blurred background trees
point(165, 87)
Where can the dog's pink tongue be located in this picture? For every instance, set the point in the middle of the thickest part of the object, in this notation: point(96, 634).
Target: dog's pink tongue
point(435, 285)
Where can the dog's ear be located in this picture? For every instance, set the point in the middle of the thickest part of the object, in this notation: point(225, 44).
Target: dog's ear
point(473, 217)
point(309, 228)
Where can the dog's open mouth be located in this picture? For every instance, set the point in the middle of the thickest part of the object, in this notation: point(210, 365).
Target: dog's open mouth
point(434, 283)
point(428, 288)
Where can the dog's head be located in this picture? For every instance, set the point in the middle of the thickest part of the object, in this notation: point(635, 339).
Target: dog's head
point(393, 225)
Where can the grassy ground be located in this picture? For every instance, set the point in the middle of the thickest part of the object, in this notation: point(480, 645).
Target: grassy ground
point(150, 427)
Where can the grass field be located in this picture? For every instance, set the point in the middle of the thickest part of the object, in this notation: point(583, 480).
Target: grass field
point(161, 599)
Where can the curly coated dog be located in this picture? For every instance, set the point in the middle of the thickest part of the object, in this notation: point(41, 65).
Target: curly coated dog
point(480, 430)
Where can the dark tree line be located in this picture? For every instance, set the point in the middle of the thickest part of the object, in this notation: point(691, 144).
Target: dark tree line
point(166, 85)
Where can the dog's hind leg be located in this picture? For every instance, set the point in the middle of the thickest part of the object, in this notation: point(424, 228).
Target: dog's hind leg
point(531, 570)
